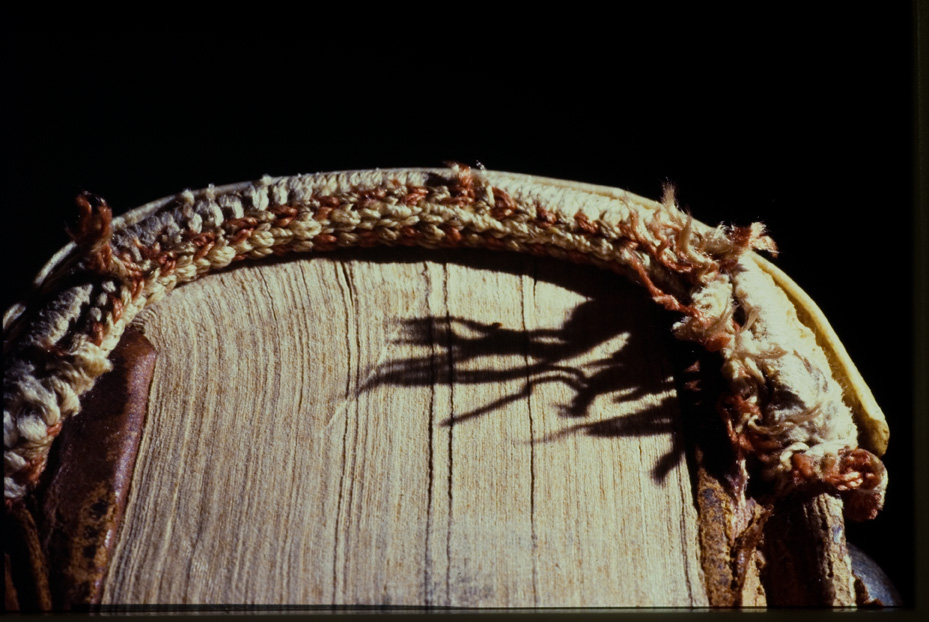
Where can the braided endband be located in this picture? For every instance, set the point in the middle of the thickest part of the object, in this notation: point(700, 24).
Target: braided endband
point(784, 408)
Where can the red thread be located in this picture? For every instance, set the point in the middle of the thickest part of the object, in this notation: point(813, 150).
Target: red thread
point(285, 214)
point(415, 195)
point(545, 218)
point(241, 236)
point(92, 234)
point(584, 224)
point(117, 305)
point(504, 206)
point(96, 333)
point(452, 235)
point(367, 239)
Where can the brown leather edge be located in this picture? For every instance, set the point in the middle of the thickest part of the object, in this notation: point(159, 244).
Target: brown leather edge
point(808, 563)
point(717, 483)
point(792, 554)
point(81, 508)
point(25, 569)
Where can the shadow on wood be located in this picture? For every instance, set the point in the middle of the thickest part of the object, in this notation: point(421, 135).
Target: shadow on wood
point(479, 431)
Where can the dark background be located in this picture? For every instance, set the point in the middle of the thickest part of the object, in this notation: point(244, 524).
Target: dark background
point(801, 118)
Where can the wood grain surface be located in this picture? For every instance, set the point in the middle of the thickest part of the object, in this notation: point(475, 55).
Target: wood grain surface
point(390, 427)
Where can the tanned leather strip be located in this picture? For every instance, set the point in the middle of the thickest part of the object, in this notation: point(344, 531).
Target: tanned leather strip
point(83, 505)
point(25, 568)
point(807, 560)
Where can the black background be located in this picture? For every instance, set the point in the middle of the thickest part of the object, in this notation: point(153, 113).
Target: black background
point(801, 118)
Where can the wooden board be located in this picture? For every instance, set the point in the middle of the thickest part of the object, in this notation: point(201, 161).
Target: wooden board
point(402, 428)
